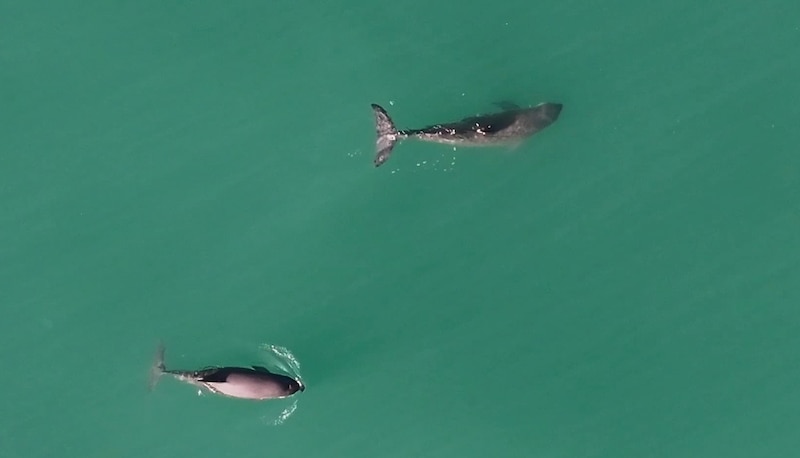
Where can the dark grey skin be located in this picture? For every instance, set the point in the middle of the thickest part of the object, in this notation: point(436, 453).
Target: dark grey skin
point(510, 126)
point(254, 382)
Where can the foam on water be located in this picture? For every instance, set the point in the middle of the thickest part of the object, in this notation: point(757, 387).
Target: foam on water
point(284, 360)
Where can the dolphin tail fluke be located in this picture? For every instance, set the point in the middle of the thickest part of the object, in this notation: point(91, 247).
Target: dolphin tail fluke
point(387, 135)
point(158, 368)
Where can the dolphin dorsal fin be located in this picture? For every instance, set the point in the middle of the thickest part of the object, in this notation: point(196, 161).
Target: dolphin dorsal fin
point(507, 105)
point(261, 369)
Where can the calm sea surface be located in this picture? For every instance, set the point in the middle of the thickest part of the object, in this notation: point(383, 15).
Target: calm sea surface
point(623, 284)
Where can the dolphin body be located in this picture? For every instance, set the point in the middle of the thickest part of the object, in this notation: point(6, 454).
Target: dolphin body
point(254, 382)
point(510, 126)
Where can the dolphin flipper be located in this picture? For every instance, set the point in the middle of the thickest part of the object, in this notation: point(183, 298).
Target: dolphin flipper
point(507, 105)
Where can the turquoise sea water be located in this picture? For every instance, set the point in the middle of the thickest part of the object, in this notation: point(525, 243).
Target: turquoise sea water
point(624, 284)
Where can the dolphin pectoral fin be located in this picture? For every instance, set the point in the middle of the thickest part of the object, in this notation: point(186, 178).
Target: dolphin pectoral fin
point(511, 148)
point(507, 105)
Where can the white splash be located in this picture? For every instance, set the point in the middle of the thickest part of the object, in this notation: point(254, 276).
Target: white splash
point(282, 358)
point(287, 412)
point(443, 164)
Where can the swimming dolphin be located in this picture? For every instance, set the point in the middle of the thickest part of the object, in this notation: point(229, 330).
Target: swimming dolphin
point(237, 382)
point(512, 125)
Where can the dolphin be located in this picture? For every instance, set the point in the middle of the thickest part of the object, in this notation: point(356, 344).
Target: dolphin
point(253, 382)
point(510, 126)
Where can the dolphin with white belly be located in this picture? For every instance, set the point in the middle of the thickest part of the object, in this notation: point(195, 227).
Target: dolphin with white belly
point(254, 382)
point(510, 126)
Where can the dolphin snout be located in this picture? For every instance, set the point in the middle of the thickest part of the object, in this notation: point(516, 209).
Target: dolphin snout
point(553, 110)
point(295, 386)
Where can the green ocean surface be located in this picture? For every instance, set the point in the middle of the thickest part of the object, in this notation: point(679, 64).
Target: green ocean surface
point(623, 284)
